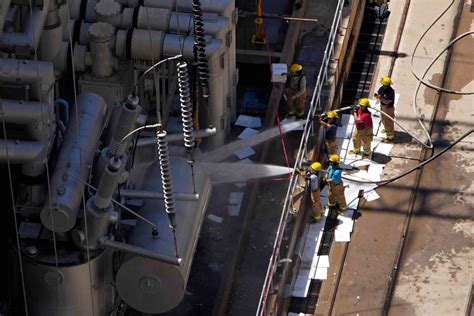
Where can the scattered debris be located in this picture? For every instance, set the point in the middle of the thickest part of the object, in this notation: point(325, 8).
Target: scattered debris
point(215, 218)
point(236, 197)
point(234, 209)
point(248, 132)
point(248, 121)
point(244, 152)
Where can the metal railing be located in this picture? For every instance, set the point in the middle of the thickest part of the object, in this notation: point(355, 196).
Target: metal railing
point(315, 107)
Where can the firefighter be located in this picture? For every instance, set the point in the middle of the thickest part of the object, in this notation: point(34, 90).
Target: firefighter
point(312, 183)
point(386, 96)
point(380, 8)
point(333, 178)
point(328, 121)
point(296, 92)
point(364, 128)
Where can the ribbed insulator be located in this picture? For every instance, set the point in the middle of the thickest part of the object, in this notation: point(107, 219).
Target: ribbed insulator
point(108, 184)
point(164, 160)
point(186, 107)
point(127, 120)
point(200, 47)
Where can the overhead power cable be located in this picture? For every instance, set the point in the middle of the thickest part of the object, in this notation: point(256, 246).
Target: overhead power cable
point(81, 159)
point(44, 124)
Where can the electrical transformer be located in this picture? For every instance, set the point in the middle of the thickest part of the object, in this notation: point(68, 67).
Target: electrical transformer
point(102, 106)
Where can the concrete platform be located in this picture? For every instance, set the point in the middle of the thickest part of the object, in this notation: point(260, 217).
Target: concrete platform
point(435, 271)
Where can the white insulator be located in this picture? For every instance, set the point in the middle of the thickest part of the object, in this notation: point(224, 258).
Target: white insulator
point(186, 106)
point(164, 159)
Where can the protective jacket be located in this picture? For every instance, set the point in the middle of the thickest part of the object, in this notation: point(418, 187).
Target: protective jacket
point(297, 85)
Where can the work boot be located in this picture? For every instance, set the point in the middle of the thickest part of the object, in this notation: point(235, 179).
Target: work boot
point(316, 218)
point(290, 114)
point(365, 155)
point(388, 139)
point(341, 211)
point(299, 116)
point(354, 151)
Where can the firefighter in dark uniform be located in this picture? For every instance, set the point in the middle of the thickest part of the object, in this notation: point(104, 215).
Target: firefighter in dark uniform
point(386, 96)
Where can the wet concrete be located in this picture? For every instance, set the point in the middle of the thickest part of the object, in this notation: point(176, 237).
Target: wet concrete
point(436, 265)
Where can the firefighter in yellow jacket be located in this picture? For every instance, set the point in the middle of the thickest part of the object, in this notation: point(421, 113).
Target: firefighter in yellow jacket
point(312, 184)
point(295, 92)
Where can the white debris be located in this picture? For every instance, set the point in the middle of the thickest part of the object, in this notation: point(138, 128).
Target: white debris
point(215, 218)
point(248, 121)
point(248, 132)
point(236, 197)
point(234, 209)
point(321, 274)
point(244, 152)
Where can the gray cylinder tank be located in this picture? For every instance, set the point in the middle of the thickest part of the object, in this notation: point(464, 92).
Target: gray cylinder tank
point(67, 290)
point(73, 166)
point(151, 286)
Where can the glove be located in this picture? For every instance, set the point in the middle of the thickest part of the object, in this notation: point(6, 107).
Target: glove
point(298, 171)
point(354, 108)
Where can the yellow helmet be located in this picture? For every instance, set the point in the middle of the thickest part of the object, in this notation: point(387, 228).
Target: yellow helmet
point(295, 68)
point(332, 114)
point(334, 158)
point(364, 102)
point(386, 81)
point(316, 166)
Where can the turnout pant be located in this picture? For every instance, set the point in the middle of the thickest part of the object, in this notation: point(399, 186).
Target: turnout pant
point(388, 123)
point(363, 137)
point(297, 105)
point(331, 146)
point(316, 202)
point(336, 195)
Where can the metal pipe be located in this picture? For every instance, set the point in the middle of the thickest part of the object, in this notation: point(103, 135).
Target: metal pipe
point(100, 34)
point(28, 72)
point(77, 153)
point(27, 41)
point(21, 112)
point(144, 194)
point(35, 118)
point(214, 6)
point(106, 242)
point(151, 141)
point(51, 36)
point(20, 151)
point(65, 105)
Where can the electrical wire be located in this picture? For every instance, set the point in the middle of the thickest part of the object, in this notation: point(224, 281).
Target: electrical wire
point(437, 155)
point(48, 178)
point(81, 160)
point(156, 125)
point(116, 202)
point(420, 81)
point(12, 195)
point(150, 69)
point(437, 88)
point(422, 143)
point(282, 139)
